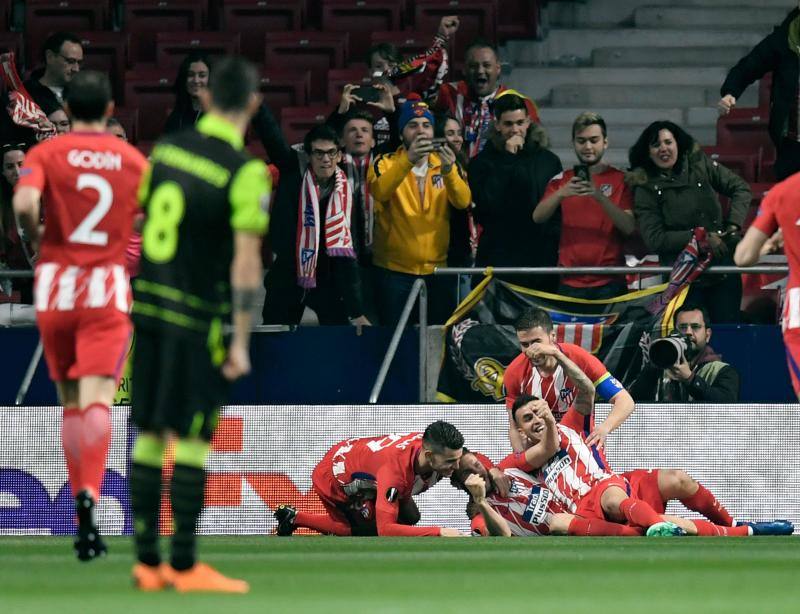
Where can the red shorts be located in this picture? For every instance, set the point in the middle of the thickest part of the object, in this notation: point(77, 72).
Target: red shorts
point(328, 488)
point(84, 342)
point(791, 339)
point(644, 486)
point(589, 506)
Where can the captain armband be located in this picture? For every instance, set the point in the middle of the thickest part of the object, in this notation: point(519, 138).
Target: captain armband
point(244, 299)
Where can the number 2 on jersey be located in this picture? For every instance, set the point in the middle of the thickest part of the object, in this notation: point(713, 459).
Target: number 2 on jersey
point(85, 231)
point(160, 235)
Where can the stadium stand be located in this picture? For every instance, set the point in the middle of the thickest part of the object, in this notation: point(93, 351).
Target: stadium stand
point(308, 50)
point(359, 19)
point(252, 19)
point(142, 19)
point(172, 47)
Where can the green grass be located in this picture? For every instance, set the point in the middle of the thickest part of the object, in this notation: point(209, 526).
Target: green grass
point(507, 576)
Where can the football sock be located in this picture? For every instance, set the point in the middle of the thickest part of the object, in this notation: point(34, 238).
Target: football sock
point(322, 523)
point(706, 503)
point(596, 527)
point(145, 488)
point(639, 513)
point(95, 439)
point(708, 529)
point(71, 444)
point(186, 495)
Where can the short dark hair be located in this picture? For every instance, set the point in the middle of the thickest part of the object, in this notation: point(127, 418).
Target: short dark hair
point(232, 82)
point(352, 114)
point(533, 317)
point(320, 132)
point(55, 41)
point(694, 307)
point(509, 102)
point(87, 95)
point(481, 43)
point(584, 120)
point(520, 402)
point(440, 435)
point(639, 154)
point(387, 51)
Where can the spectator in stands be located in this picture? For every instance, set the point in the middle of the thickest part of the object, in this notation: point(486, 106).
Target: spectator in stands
point(675, 191)
point(14, 252)
point(701, 376)
point(192, 78)
point(381, 112)
point(470, 100)
point(60, 120)
point(63, 58)
point(114, 127)
point(596, 215)
point(414, 189)
point(777, 53)
point(508, 178)
point(315, 261)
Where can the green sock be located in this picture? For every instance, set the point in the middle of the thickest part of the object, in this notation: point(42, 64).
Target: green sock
point(145, 489)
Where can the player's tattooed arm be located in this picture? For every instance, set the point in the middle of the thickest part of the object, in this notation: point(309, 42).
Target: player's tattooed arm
point(495, 523)
point(584, 388)
point(539, 453)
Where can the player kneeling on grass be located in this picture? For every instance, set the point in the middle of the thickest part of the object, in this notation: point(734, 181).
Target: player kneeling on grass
point(366, 485)
point(559, 458)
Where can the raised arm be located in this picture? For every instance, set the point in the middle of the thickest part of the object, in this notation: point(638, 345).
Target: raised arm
point(495, 523)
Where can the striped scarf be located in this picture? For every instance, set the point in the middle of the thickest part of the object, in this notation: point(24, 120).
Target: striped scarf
point(356, 171)
point(338, 240)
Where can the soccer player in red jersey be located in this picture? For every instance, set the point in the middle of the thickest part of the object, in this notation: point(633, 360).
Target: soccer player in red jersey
point(367, 485)
point(776, 227)
point(562, 374)
point(88, 181)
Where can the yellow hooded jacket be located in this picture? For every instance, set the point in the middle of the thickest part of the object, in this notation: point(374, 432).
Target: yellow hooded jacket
point(413, 237)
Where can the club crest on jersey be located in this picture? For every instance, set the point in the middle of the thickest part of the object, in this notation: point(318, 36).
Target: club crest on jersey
point(607, 190)
point(438, 181)
point(391, 495)
point(566, 395)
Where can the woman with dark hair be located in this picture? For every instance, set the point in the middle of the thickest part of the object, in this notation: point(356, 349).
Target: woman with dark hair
point(15, 253)
point(675, 191)
point(192, 77)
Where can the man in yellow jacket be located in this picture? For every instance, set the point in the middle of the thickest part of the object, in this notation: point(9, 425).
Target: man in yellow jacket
point(414, 189)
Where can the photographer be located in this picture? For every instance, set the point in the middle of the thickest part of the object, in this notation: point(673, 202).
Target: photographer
point(699, 373)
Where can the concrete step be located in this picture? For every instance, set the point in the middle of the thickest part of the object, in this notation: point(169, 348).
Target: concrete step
point(538, 81)
point(745, 17)
point(613, 116)
point(652, 96)
point(667, 56)
point(625, 136)
point(579, 43)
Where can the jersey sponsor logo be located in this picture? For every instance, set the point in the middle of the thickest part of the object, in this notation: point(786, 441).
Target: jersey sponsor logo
point(607, 190)
point(391, 495)
point(536, 509)
point(555, 466)
point(99, 160)
point(489, 380)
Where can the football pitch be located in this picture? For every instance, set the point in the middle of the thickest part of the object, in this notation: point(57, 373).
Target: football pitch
point(328, 574)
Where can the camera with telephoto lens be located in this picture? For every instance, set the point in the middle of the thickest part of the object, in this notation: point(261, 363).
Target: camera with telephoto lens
point(669, 351)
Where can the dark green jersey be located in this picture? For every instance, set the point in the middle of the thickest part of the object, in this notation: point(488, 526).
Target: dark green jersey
point(202, 188)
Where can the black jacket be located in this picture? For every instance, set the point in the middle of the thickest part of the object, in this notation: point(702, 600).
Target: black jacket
point(506, 189)
point(770, 55)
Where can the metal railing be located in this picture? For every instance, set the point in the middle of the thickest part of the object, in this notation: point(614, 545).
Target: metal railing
point(417, 290)
point(598, 270)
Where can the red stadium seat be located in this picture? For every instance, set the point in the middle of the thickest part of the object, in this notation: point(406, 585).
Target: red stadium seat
point(150, 91)
point(254, 18)
point(172, 47)
point(43, 17)
point(518, 19)
point(144, 18)
point(129, 118)
point(339, 77)
point(285, 88)
point(304, 50)
point(745, 162)
point(12, 41)
point(108, 53)
point(360, 18)
point(296, 121)
point(478, 19)
point(408, 44)
point(744, 127)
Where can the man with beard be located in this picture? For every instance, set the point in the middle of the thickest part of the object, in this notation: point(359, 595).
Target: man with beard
point(596, 213)
point(701, 376)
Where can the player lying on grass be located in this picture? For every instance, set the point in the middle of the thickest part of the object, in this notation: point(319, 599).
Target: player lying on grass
point(366, 485)
point(559, 458)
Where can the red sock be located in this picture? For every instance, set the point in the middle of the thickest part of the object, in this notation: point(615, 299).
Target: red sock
point(71, 444)
point(706, 503)
point(639, 513)
point(95, 439)
point(322, 523)
point(478, 526)
point(708, 529)
point(596, 527)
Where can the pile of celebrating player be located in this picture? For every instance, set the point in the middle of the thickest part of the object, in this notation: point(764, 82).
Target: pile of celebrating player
point(556, 481)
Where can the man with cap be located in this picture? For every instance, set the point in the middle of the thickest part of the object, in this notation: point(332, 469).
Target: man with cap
point(414, 189)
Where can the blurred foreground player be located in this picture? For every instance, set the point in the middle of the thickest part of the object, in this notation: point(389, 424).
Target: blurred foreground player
point(88, 181)
point(777, 227)
point(201, 267)
point(366, 485)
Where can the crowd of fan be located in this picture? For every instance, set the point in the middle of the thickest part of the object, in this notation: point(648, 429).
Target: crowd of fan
point(415, 172)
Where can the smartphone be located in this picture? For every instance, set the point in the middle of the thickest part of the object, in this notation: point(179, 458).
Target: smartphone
point(367, 93)
point(438, 142)
point(582, 172)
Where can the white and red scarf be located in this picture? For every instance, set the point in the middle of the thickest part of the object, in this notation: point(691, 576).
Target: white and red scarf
point(22, 109)
point(356, 170)
point(338, 238)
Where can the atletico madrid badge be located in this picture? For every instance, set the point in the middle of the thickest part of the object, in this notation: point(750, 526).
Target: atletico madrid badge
point(391, 495)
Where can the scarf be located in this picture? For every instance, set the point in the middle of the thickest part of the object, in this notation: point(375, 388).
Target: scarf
point(22, 109)
point(356, 172)
point(690, 263)
point(338, 240)
point(475, 116)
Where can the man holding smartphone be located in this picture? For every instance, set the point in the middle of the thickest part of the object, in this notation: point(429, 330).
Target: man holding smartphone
point(596, 213)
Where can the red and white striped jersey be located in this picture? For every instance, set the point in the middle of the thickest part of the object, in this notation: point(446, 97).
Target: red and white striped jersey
point(528, 506)
point(572, 471)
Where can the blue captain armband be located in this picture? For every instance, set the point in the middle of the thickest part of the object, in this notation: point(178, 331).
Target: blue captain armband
point(607, 386)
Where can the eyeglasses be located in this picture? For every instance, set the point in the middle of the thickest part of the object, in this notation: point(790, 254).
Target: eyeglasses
point(694, 326)
point(71, 61)
point(321, 154)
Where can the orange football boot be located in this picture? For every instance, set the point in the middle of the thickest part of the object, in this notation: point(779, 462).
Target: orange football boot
point(202, 578)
